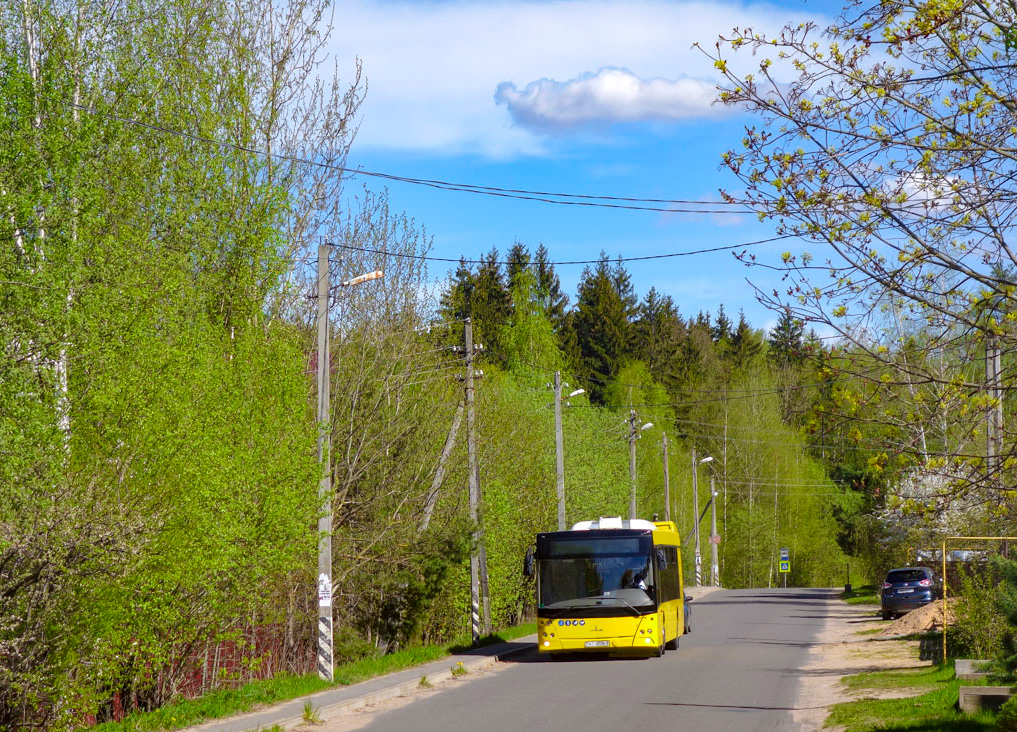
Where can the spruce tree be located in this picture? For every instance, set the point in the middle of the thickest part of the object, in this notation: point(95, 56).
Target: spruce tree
point(746, 344)
point(603, 323)
point(548, 287)
point(516, 263)
point(490, 305)
point(658, 335)
point(786, 344)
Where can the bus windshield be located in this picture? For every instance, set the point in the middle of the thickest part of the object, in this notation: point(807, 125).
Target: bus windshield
point(600, 580)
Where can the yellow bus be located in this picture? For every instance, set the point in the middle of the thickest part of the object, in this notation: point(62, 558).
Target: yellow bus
point(610, 586)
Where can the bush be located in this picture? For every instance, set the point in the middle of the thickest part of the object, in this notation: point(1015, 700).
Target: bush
point(1007, 569)
point(981, 626)
point(350, 646)
point(1006, 720)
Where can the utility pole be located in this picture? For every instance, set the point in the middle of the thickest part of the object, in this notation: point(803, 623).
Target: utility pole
point(325, 480)
point(667, 483)
point(695, 518)
point(714, 565)
point(559, 451)
point(474, 488)
point(994, 421)
point(724, 558)
point(633, 433)
point(439, 473)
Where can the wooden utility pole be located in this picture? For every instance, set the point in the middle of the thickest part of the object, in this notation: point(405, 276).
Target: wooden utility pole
point(714, 563)
point(439, 473)
point(695, 518)
point(994, 419)
point(776, 491)
point(559, 451)
point(325, 480)
point(667, 482)
point(724, 555)
point(477, 565)
point(633, 433)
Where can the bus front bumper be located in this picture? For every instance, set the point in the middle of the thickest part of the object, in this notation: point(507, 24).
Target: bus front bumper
point(644, 634)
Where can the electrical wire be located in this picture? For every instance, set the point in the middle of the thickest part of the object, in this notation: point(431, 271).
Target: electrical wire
point(571, 199)
point(649, 257)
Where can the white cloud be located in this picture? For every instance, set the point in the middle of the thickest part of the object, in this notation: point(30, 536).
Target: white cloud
point(610, 95)
point(433, 67)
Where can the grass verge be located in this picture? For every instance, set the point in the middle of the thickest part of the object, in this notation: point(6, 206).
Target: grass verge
point(284, 687)
point(864, 595)
point(933, 706)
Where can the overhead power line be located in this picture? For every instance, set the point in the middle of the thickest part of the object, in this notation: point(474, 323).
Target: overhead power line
point(661, 205)
point(669, 255)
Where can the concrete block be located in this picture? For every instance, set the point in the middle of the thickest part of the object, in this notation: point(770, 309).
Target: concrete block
point(969, 669)
point(974, 699)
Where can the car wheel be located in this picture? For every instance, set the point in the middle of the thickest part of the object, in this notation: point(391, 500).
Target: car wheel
point(887, 615)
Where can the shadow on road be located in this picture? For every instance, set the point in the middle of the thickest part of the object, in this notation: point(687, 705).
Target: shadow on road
point(777, 642)
point(744, 707)
point(532, 656)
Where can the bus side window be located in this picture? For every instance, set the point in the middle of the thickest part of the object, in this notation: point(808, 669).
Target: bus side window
point(671, 578)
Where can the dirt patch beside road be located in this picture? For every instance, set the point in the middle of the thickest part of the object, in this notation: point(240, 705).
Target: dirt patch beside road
point(847, 646)
point(923, 619)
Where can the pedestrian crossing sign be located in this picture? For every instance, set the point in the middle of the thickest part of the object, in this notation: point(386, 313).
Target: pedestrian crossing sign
point(785, 565)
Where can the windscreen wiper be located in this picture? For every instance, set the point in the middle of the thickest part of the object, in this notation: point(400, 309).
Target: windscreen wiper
point(624, 602)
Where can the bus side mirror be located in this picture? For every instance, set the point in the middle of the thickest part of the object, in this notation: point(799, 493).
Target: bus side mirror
point(528, 564)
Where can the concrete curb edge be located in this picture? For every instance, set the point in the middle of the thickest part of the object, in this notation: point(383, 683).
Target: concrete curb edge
point(331, 711)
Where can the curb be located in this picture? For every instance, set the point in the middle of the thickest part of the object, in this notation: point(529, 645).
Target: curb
point(329, 711)
point(404, 688)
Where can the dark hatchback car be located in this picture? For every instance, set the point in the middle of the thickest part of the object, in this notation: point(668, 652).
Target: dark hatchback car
point(906, 589)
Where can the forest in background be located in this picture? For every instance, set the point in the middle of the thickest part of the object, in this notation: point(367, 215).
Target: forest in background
point(158, 473)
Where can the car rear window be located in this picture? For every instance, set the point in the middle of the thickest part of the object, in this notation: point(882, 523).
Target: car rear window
point(906, 575)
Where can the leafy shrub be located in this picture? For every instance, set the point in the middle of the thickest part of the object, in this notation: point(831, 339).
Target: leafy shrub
point(350, 646)
point(981, 626)
point(1006, 721)
point(1007, 569)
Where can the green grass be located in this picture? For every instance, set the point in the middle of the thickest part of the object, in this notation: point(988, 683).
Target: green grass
point(864, 595)
point(518, 631)
point(934, 707)
point(227, 702)
point(926, 676)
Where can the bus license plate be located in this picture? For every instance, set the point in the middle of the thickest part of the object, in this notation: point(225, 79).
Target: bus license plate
point(597, 644)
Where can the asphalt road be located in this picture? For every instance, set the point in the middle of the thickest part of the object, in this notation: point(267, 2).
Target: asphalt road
point(738, 670)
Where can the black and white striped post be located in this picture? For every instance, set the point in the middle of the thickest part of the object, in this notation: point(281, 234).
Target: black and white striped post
point(325, 480)
point(325, 668)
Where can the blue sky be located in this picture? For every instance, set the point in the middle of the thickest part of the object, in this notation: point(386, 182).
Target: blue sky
point(604, 98)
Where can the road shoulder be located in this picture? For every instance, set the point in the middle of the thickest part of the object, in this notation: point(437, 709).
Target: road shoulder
point(340, 700)
point(847, 645)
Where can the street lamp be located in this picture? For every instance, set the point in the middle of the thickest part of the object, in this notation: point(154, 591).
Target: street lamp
point(367, 277)
point(714, 538)
point(695, 512)
point(324, 464)
point(559, 449)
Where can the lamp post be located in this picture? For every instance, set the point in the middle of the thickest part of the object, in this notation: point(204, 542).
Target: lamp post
point(559, 448)
point(714, 539)
point(324, 464)
point(695, 513)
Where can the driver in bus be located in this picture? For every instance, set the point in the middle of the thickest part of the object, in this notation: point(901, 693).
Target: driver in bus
point(631, 581)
